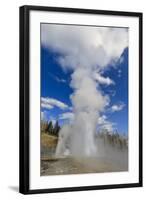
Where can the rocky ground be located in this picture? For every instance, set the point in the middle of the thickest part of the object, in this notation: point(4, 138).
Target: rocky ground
point(113, 153)
point(70, 165)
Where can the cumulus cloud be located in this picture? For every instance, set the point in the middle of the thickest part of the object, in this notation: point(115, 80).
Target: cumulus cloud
point(117, 107)
point(102, 119)
point(93, 47)
point(105, 124)
point(47, 106)
point(103, 80)
point(108, 126)
point(67, 115)
point(49, 103)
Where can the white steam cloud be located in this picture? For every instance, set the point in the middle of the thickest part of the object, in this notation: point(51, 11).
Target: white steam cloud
point(91, 47)
point(86, 51)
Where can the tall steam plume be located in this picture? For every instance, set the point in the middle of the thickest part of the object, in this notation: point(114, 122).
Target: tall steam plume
point(87, 52)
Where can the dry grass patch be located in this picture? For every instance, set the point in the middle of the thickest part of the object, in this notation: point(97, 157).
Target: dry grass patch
point(48, 141)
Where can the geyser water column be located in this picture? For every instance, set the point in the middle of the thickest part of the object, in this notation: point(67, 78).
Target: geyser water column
point(87, 103)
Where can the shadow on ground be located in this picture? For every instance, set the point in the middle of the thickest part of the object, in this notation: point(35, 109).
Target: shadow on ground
point(14, 188)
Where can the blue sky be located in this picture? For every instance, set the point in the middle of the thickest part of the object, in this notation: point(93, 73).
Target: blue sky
point(56, 90)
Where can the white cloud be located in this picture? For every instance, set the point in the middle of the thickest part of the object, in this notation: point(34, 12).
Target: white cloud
point(93, 47)
point(46, 105)
point(49, 103)
point(103, 80)
point(105, 124)
point(117, 107)
point(102, 119)
point(108, 126)
point(67, 115)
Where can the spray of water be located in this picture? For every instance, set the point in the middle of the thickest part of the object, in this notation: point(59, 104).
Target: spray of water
point(87, 102)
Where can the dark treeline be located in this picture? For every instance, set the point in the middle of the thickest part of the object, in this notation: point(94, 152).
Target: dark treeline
point(114, 139)
point(49, 128)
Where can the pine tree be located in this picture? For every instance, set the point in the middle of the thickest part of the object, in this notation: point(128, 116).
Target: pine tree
point(56, 128)
point(50, 127)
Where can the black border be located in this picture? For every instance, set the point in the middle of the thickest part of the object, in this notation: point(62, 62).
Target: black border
point(24, 98)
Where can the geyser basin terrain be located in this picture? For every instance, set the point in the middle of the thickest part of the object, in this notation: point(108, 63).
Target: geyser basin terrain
point(71, 165)
point(111, 157)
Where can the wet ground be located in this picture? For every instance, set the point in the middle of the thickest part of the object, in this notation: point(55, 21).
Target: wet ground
point(69, 165)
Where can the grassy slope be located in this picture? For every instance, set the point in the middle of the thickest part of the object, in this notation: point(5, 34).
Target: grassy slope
point(48, 140)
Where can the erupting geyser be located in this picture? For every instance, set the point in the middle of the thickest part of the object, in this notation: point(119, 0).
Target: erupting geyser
point(86, 52)
point(87, 102)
